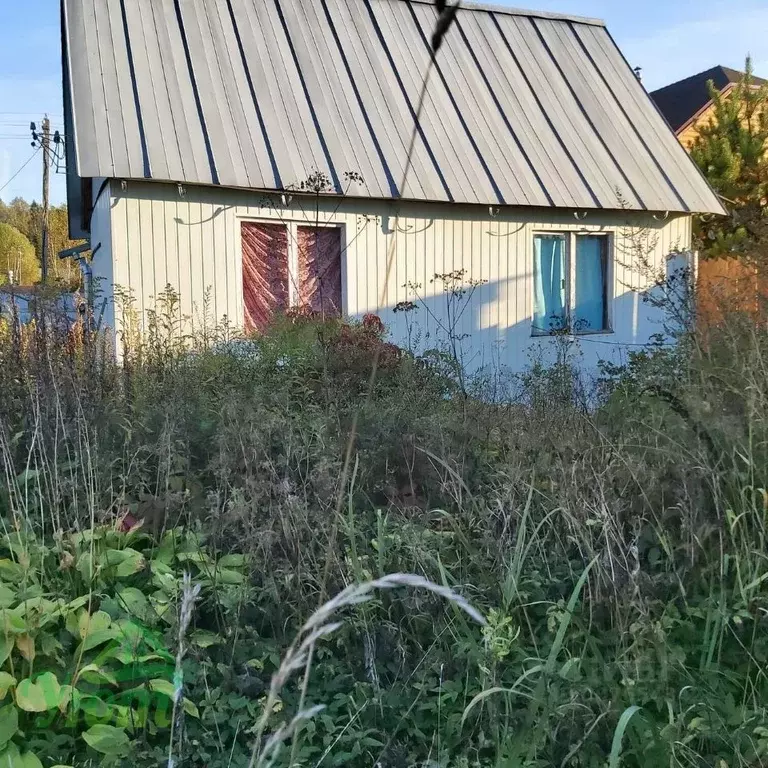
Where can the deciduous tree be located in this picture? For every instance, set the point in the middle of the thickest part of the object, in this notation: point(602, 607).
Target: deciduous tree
point(17, 257)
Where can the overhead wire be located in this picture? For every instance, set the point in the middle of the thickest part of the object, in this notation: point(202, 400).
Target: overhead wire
point(31, 158)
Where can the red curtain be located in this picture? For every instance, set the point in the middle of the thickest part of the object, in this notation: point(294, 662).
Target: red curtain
point(265, 273)
point(320, 270)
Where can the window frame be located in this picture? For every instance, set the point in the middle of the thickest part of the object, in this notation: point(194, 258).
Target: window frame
point(292, 226)
point(570, 238)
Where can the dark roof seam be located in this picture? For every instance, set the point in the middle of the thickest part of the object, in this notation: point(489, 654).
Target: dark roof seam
point(361, 104)
point(631, 122)
point(251, 87)
point(555, 132)
point(135, 87)
point(416, 121)
point(597, 133)
point(196, 93)
point(312, 112)
point(504, 115)
point(463, 122)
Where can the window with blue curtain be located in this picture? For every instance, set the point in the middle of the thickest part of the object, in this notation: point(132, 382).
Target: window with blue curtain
point(570, 273)
point(550, 280)
point(590, 310)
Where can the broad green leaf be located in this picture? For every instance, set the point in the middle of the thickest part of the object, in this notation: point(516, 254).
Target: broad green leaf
point(65, 698)
point(26, 646)
point(72, 622)
point(107, 739)
point(129, 631)
point(96, 639)
point(93, 706)
point(94, 674)
point(136, 603)
point(226, 576)
point(128, 656)
point(165, 688)
point(9, 723)
point(132, 564)
point(161, 606)
point(193, 557)
point(30, 760)
point(49, 645)
point(162, 686)
point(50, 687)
point(6, 646)
point(232, 561)
point(7, 596)
point(32, 605)
point(203, 639)
point(85, 567)
point(31, 697)
point(10, 623)
point(116, 556)
point(10, 757)
point(76, 604)
point(10, 571)
point(6, 683)
point(94, 623)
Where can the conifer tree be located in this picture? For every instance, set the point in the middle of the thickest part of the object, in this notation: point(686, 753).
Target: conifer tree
point(732, 152)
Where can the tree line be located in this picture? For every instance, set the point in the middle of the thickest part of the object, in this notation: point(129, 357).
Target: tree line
point(21, 246)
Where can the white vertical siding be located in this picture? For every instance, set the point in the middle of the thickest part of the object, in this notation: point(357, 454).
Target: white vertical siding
point(191, 240)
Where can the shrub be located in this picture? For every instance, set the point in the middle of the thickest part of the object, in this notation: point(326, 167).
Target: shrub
point(88, 622)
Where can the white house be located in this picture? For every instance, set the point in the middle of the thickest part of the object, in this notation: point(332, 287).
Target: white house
point(252, 155)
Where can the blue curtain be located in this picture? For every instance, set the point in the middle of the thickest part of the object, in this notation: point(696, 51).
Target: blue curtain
point(549, 282)
point(590, 309)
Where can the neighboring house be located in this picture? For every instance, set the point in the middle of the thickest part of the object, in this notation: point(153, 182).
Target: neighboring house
point(25, 302)
point(197, 130)
point(726, 283)
point(687, 104)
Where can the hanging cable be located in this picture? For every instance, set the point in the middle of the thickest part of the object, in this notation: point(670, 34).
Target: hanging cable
point(32, 157)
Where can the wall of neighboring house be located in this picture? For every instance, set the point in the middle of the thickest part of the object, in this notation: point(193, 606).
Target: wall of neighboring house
point(102, 264)
point(689, 133)
point(192, 241)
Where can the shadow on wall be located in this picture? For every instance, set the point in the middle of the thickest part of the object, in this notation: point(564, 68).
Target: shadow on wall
point(463, 320)
point(466, 325)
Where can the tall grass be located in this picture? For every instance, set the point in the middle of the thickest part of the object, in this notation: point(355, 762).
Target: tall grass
point(620, 563)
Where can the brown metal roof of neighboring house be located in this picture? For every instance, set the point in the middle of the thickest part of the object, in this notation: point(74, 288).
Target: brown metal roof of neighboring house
point(680, 102)
point(523, 109)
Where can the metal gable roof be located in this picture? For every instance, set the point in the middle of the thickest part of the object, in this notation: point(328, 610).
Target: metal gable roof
point(523, 108)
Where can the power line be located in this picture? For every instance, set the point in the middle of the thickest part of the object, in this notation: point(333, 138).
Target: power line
point(34, 154)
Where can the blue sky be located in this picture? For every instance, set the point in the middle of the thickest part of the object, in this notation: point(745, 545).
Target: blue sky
point(670, 39)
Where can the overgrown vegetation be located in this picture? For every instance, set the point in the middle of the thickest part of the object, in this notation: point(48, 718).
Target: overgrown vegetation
point(618, 555)
point(176, 527)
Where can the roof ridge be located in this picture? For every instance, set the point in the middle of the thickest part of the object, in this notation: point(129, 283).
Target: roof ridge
point(722, 68)
point(509, 11)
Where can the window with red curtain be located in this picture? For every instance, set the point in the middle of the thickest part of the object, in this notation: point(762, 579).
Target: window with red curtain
point(265, 273)
point(319, 268)
point(287, 265)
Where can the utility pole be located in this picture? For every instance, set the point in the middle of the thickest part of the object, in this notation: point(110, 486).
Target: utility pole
point(45, 143)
